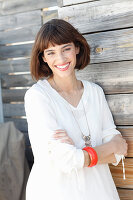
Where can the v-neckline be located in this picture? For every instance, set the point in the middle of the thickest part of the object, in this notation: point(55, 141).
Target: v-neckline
point(63, 99)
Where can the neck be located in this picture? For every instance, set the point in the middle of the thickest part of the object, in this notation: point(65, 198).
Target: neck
point(67, 85)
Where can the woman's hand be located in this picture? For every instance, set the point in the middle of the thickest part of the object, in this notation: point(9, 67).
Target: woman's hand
point(120, 145)
point(63, 136)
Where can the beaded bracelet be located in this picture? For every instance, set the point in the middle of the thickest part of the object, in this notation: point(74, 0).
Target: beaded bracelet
point(93, 156)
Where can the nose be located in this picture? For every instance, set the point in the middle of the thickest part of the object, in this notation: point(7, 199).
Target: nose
point(60, 58)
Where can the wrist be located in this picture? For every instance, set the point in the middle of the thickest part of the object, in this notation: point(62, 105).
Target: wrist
point(86, 159)
point(113, 146)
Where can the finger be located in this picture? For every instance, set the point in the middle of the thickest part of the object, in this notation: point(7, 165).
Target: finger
point(59, 130)
point(60, 135)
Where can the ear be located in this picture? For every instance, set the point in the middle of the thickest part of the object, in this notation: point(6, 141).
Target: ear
point(77, 50)
point(44, 59)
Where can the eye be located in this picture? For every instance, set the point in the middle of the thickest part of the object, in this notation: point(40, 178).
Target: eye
point(67, 49)
point(51, 53)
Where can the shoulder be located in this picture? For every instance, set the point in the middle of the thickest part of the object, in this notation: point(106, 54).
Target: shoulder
point(94, 86)
point(36, 91)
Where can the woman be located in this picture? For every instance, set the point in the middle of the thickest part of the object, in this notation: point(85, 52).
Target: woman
point(71, 129)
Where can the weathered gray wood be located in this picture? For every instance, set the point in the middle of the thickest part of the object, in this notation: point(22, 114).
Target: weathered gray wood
point(121, 106)
point(105, 47)
point(12, 66)
point(15, 51)
point(14, 110)
point(114, 77)
point(20, 20)
point(99, 15)
point(17, 80)
point(14, 95)
point(21, 124)
point(111, 45)
point(125, 194)
point(19, 35)
point(1, 104)
point(14, 6)
point(49, 14)
point(72, 2)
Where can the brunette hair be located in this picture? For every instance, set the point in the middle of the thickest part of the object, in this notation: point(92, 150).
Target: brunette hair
point(57, 31)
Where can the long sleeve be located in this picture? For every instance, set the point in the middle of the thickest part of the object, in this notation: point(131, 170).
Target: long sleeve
point(108, 126)
point(42, 122)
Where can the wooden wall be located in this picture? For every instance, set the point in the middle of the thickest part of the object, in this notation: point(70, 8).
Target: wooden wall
point(108, 28)
point(19, 23)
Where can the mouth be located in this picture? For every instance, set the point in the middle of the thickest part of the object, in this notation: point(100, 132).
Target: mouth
point(63, 67)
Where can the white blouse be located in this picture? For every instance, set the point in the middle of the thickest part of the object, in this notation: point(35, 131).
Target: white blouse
point(58, 171)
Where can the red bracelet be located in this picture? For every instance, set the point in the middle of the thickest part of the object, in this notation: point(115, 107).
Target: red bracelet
point(93, 156)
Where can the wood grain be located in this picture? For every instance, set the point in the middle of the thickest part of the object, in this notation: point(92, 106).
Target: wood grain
point(99, 15)
point(111, 45)
point(22, 80)
point(121, 106)
point(49, 14)
point(13, 66)
point(10, 7)
point(105, 47)
point(20, 20)
point(14, 95)
point(125, 194)
point(118, 174)
point(20, 35)
point(114, 77)
point(72, 2)
point(15, 51)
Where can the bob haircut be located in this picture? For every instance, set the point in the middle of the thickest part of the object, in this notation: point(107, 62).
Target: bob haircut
point(57, 32)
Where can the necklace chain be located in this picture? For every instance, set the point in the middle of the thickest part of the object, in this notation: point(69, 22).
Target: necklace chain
point(87, 139)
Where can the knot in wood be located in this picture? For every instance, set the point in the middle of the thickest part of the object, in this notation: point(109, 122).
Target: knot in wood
point(99, 50)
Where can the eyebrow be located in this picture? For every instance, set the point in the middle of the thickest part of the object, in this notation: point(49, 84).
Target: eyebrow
point(49, 50)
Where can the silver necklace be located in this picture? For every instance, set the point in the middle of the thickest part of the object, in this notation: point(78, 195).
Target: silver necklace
point(87, 139)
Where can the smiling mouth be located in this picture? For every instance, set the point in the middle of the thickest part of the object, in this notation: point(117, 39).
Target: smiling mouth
point(63, 67)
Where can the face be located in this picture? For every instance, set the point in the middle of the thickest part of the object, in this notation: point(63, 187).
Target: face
point(61, 58)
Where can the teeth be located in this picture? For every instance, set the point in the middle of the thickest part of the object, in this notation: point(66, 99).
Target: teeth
point(62, 67)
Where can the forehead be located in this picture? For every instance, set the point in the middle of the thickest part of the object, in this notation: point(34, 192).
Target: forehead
point(55, 46)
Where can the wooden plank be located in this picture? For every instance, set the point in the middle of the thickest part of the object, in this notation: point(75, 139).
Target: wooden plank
point(20, 20)
point(19, 35)
point(72, 2)
point(121, 106)
point(15, 51)
point(125, 194)
point(117, 174)
point(105, 47)
point(111, 45)
point(17, 80)
point(49, 14)
point(1, 105)
point(114, 77)
point(127, 133)
point(14, 6)
point(21, 124)
point(14, 95)
point(99, 15)
point(13, 110)
point(12, 66)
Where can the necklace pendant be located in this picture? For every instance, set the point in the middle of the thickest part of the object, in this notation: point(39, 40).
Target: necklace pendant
point(87, 140)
